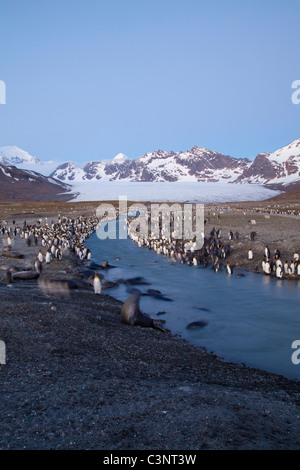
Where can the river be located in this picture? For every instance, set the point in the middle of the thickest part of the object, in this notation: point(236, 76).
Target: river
point(252, 319)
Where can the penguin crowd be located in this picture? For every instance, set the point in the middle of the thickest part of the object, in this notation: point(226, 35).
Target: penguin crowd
point(212, 254)
point(55, 237)
point(71, 233)
point(273, 265)
point(274, 209)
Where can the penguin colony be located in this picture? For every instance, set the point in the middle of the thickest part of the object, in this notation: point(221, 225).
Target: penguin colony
point(55, 238)
point(70, 233)
point(214, 252)
point(274, 209)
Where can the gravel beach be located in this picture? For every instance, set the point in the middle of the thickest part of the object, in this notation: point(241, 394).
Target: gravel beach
point(76, 377)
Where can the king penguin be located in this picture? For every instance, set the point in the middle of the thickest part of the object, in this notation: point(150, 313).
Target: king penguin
point(229, 268)
point(40, 256)
point(48, 256)
point(97, 284)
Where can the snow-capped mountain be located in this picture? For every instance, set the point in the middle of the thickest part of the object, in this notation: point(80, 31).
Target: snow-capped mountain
point(278, 169)
point(91, 171)
point(12, 155)
point(120, 158)
point(197, 164)
point(69, 172)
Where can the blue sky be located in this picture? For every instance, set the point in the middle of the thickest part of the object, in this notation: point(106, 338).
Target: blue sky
point(88, 79)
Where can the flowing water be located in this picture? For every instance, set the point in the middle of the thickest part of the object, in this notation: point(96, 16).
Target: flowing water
point(252, 319)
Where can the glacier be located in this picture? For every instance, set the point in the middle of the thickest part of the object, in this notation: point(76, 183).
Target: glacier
point(190, 192)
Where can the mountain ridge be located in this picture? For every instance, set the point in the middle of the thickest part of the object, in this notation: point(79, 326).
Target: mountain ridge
point(196, 164)
point(278, 170)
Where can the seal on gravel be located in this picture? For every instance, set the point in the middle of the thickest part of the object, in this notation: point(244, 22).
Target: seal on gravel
point(13, 254)
point(7, 278)
point(25, 275)
point(131, 314)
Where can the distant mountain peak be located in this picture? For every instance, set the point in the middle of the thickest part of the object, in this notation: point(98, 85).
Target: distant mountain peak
point(198, 149)
point(119, 158)
point(13, 155)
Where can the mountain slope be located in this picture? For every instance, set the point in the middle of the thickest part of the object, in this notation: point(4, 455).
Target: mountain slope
point(23, 185)
point(280, 169)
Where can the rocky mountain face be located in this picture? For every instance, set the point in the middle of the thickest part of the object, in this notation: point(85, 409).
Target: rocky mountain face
point(277, 170)
point(23, 185)
point(197, 164)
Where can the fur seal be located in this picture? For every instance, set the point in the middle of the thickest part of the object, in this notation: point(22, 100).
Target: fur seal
point(131, 314)
point(106, 265)
point(7, 277)
point(89, 274)
point(108, 284)
point(157, 295)
point(94, 265)
point(13, 254)
point(136, 281)
point(25, 275)
point(196, 324)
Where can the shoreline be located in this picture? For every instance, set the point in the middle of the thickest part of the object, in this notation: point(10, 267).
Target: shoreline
point(94, 370)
